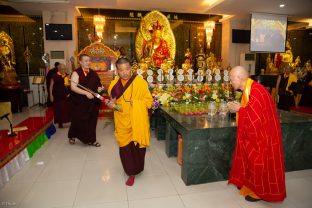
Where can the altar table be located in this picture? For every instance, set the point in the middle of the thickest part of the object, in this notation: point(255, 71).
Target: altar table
point(208, 143)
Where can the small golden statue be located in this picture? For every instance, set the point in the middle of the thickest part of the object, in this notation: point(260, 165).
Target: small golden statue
point(7, 60)
point(142, 65)
point(211, 61)
point(297, 61)
point(135, 67)
point(186, 66)
point(165, 66)
point(188, 55)
point(200, 59)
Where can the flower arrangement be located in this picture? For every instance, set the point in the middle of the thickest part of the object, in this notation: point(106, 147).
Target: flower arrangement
point(193, 98)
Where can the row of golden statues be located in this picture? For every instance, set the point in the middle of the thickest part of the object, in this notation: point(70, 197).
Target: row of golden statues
point(155, 48)
point(276, 65)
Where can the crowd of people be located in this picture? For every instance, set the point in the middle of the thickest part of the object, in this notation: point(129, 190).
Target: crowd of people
point(258, 161)
point(294, 87)
point(77, 100)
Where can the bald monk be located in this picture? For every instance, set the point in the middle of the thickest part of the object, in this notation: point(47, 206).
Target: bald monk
point(258, 161)
point(131, 99)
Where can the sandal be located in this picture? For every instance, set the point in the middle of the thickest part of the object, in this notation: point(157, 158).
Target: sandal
point(95, 144)
point(72, 140)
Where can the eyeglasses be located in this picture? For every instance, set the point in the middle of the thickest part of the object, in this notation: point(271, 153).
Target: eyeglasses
point(130, 95)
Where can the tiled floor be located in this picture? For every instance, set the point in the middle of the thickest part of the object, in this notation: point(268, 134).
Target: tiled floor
point(61, 175)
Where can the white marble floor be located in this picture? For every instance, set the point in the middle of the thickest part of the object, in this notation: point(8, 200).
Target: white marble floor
point(61, 175)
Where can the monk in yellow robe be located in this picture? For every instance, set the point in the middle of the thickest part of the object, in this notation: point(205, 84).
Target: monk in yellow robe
point(131, 99)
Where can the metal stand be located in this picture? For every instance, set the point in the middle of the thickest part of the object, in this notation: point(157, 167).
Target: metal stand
point(11, 134)
point(39, 97)
point(44, 101)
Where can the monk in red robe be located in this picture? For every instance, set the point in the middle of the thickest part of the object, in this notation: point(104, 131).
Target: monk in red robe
point(258, 162)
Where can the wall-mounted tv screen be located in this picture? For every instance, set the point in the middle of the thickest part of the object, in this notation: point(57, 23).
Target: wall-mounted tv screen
point(268, 32)
point(240, 36)
point(58, 31)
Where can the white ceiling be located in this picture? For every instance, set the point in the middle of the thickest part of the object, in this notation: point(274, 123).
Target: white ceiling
point(295, 9)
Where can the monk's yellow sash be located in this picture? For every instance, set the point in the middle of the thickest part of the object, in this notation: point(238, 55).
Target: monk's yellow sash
point(245, 95)
point(292, 78)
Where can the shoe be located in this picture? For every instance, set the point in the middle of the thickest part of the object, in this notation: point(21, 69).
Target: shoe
point(95, 144)
point(250, 199)
point(72, 140)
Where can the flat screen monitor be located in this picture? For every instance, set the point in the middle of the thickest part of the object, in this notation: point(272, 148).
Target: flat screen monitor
point(240, 36)
point(268, 33)
point(58, 31)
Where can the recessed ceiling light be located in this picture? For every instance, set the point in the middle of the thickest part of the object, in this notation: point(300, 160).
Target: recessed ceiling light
point(282, 5)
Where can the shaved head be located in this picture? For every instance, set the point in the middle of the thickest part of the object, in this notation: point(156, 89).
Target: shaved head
point(62, 68)
point(238, 77)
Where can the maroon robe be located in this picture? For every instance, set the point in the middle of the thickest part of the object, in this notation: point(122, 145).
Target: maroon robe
point(132, 158)
point(61, 100)
point(84, 111)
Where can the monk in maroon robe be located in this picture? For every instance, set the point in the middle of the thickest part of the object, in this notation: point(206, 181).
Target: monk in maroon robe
point(59, 96)
point(84, 106)
point(50, 73)
point(258, 162)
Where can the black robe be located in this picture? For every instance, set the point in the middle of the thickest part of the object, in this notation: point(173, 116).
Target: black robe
point(84, 111)
point(51, 72)
point(61, 101)
point(306, 99)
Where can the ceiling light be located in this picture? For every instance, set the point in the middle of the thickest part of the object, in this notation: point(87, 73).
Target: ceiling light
point(209, 27)
point(282, 5)
point(99, 22)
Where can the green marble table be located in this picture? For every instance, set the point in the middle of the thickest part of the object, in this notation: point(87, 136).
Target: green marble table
point(208, 143)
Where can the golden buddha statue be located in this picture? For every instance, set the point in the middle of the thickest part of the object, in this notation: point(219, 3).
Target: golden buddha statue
point(188, 55)
point(200, 59)
point(297, 61)
point(6, 56)
point(186, 66)
point(271, 69)
point(157, 48)
point(165, 66)
point(143, 65)
point(135, 67)
point(170, 62)
point(7, 60)
point(211, 61)
point(287, 57)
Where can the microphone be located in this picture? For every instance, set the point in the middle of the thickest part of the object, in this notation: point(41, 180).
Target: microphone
point(5, 115)
point(11, 134)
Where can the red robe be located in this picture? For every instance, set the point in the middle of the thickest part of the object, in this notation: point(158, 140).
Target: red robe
point(258, 161)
